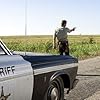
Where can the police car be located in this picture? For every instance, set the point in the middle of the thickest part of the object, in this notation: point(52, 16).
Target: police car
point(35, 77)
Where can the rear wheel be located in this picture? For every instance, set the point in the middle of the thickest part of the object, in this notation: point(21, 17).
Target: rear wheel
point(56, 90)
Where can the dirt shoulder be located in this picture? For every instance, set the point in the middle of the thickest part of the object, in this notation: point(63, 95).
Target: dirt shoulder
point(88, 87)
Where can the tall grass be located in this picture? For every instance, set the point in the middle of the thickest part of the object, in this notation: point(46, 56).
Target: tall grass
point(80, 46)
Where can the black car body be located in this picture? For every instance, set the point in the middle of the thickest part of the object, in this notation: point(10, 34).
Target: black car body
point(35, 76)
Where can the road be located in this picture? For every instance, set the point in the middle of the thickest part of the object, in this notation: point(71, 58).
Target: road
point(88, 87)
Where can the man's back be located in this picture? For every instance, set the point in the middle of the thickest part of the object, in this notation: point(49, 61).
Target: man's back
point(61, 34)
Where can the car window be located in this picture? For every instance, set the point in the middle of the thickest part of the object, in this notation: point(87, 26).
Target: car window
point(1, 51)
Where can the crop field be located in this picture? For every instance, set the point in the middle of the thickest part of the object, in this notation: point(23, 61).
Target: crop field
point(81, 46)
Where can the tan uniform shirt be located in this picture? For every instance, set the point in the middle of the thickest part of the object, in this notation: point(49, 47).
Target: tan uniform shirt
point(61, 34)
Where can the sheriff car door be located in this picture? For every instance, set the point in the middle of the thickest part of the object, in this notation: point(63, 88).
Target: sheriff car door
point(16, 77)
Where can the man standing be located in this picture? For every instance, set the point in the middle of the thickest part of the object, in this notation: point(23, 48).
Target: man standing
point(61, 36)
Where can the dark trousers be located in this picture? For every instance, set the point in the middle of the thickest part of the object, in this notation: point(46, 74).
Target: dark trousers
point(63, 47)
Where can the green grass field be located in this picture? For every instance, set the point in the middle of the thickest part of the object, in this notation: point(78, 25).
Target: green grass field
point(80, 46)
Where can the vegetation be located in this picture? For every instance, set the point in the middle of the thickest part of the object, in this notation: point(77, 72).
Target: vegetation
point(80, 46)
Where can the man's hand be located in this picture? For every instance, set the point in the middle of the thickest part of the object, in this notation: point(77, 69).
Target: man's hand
point(74, 28)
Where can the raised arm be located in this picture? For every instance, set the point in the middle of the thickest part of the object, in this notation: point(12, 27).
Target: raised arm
point(72, 29)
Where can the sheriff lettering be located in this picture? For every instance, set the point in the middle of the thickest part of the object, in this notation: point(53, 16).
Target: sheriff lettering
point(7, 70)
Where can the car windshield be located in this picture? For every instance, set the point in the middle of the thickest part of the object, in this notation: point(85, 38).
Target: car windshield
point(1, 51)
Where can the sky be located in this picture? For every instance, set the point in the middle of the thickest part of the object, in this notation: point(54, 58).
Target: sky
point(43, 17)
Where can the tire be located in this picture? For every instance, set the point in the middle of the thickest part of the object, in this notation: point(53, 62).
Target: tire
point(56, 90)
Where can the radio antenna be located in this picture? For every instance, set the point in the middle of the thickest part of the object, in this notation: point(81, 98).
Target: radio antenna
point(25, 25)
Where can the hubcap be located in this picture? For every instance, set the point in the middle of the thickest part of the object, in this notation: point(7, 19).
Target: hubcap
point(54, 94)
